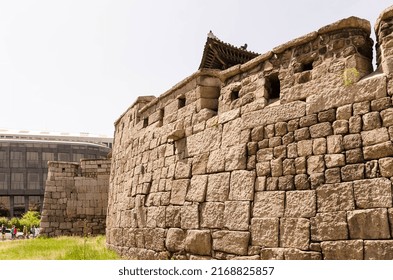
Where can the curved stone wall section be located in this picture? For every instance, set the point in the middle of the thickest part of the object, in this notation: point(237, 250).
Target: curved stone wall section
point(76, 198)
point(288, 156)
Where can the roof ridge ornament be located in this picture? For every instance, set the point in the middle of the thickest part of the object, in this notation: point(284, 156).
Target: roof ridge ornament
point(220, 55)
point(211, 35)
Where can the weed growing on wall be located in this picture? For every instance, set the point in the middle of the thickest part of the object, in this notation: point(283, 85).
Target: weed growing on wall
point(350, 76)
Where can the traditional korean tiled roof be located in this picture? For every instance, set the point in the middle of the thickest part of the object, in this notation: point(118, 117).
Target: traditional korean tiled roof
point(220, 55)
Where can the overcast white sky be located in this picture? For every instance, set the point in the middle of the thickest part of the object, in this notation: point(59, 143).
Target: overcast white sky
point(76, 65)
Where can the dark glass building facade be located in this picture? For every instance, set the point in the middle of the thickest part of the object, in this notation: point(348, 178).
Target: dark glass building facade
point(23, 165)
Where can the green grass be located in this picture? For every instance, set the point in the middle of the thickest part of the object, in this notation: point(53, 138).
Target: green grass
point(60, 248)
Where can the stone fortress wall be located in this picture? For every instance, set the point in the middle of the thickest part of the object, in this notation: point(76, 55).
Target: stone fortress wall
point(288, 156)
point(76, 198)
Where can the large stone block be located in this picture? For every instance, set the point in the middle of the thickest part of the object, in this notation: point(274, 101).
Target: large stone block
point(300, 165)
point(189, 217)
point(228, 116)
point(381, 104)
point(321, 130)
point(300, 204)
point(375, 136)
point(274, 142)
point(236, 158)
point(296, 254)
point(274, 114)
point(265, 232)
point(174, 241)
point(336, 197)
point(334, 160)
point(198, 242)
point(276, 167)
point(260, 184)
point(199, 164)
point(387, 117)
point(216, 161)
point(272, 183)
point(242, 185)
point(386, 167)
point(218, 187)
point(263, 168)
point(327, 116)
point(302, 134)
point(315, 164)
point(371, 121)
point(272, 254)
point(340, 127)
point(269, 204)
point(257, 133)
point(354, 156)
point(319, 146)
point(308, 120)
point(355, 124)
point(155, 217)
point(231, 132)
point(344, 112)
point(204, 141)
point(329, 226)
point(292, 150)
point(288, 167)
point(352, 141)
point(183, 169)
point(361, 108)
point(265, 154)
point(352, 172)
point(378, 151)
point(304, 148)
point(285, 183)
point(373, 193)
point(342, 250)
point(295, 233)
point(280, 128)
point(197, 189)
point(154, 239)
point(179, 191)
point(334, 144)
point(302, 182)
point(378, 249)
point(212, 215)
point(237, 215)
point(172, 216)
point(360, 221)
point(232, 242)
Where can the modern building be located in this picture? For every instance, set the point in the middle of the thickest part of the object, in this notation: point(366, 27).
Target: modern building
point(23, 163)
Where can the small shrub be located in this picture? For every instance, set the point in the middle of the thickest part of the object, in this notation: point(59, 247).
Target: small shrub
point(30, 219)
point(4, 221)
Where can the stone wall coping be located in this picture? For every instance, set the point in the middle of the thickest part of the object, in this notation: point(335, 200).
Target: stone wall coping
point(139, 99)
point(387, 13)
point(94, 160)
point(182, 83)
point(65, 163)
point(350, 22)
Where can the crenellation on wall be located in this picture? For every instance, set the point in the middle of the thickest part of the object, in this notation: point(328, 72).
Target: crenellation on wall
point(284, 157)
point(76, 198)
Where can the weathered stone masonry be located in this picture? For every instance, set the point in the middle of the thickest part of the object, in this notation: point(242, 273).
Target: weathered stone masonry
point(287, 156)
point(76, 198)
